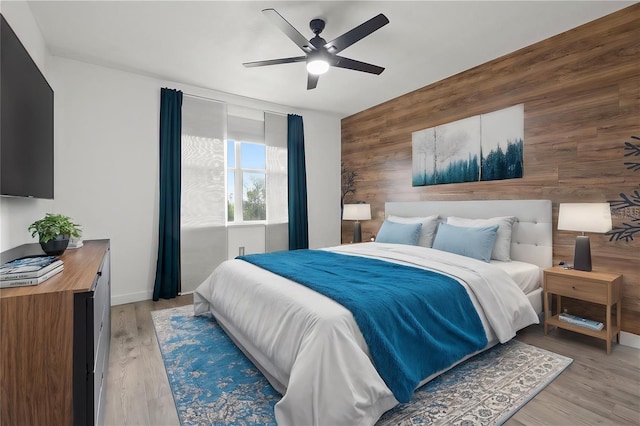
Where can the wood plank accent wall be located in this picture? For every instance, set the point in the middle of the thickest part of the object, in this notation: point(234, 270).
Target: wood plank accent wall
point(581, 95)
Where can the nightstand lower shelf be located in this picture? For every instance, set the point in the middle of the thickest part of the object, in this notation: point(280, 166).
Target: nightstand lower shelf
point(600, 334)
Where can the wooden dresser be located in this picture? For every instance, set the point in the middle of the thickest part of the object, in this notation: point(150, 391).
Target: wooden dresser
point(55, 341)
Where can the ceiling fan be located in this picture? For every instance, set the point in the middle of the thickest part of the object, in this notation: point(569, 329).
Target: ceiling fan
point(320, 55)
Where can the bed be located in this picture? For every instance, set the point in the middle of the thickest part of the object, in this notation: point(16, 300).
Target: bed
point(312, 350)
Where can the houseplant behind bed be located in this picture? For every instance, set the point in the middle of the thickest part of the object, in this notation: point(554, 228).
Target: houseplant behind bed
point(54, 231)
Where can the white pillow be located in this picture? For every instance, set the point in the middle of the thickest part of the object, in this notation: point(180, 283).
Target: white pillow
point(429, 226)
point(502, 246)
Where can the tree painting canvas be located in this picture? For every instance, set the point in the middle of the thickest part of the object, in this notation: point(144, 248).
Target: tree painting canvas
point(482, 147)
point(447, 154)
point(502, 140)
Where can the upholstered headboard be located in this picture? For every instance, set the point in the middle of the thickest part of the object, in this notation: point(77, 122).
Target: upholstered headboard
point(531, 238)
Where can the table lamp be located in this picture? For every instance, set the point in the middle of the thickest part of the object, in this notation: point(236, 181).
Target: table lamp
point(584, 217)
point(356, 212)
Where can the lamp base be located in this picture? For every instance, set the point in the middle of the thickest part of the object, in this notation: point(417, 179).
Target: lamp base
point(582, 255)
point(357, 233)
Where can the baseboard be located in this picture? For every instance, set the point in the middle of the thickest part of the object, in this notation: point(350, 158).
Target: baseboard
point(131, 298)
point(135, 297)
point(630, 339)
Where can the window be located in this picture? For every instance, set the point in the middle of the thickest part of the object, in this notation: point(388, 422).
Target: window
point(234, 170)
point(246, 181)
point(233, 165)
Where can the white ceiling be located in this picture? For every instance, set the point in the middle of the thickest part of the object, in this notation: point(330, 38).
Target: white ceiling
point(204, 43)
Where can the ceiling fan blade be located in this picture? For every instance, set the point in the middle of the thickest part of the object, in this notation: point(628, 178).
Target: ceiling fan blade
point(312, 81)
point(289, 30)
point(275, 61)
point(352, 64)
point(358, 33)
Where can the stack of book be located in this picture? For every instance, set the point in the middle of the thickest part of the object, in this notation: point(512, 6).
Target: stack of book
point(29, 271)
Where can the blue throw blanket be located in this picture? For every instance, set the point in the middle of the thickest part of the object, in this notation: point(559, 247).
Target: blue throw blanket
point(415, 322)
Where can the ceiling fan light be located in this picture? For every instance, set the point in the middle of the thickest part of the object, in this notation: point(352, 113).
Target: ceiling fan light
point(317, 66)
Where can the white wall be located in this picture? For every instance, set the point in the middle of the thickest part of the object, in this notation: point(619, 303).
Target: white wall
point(322, 152)
point(16, 214)
point(107, 165)
point(250, 237)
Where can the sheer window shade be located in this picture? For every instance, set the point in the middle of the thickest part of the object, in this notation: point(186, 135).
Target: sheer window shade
point(203, 238)
point(203, 163)
point(277, 231)
point(245, 129)
point(276, 141)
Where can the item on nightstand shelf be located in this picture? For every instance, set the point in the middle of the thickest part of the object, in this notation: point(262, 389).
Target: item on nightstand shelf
point(582, 322)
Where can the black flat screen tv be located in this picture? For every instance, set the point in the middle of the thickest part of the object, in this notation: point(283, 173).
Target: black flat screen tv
point(26, 122)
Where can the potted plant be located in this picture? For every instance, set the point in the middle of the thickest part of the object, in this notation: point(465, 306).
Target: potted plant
point(54, 231)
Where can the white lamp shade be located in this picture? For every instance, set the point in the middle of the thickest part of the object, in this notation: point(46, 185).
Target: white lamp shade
point(356, 212)
point(585, 217)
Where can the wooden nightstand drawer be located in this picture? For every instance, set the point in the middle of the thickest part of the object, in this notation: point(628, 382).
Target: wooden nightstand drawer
point(584, 290)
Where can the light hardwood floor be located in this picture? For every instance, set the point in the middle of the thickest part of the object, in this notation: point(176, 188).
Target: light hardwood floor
point(595, 389)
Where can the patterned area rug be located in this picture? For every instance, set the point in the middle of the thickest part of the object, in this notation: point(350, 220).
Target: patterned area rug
point(213, 383)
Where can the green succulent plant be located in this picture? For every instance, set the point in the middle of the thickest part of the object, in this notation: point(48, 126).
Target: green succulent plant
point(52, 226)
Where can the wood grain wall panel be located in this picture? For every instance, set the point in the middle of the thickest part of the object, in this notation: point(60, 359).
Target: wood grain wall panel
point(581, 92)
point(630, 94)
point(597, 173)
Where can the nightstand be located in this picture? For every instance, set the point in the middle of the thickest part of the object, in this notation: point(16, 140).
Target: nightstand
point(597, 287)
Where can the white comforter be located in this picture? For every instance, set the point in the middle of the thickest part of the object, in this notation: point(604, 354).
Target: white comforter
point(311, 349)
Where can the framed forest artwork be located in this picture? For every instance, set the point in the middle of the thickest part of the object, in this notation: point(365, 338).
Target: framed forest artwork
point(483, 147)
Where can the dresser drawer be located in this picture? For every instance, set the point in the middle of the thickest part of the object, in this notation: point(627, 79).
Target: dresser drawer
point(584, 290)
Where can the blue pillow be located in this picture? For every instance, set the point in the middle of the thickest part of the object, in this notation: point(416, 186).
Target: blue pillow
point(471, 242)
point(399, 233)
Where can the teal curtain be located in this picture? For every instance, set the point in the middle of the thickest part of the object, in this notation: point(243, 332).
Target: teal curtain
point(167, 283)
point(297, 176)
